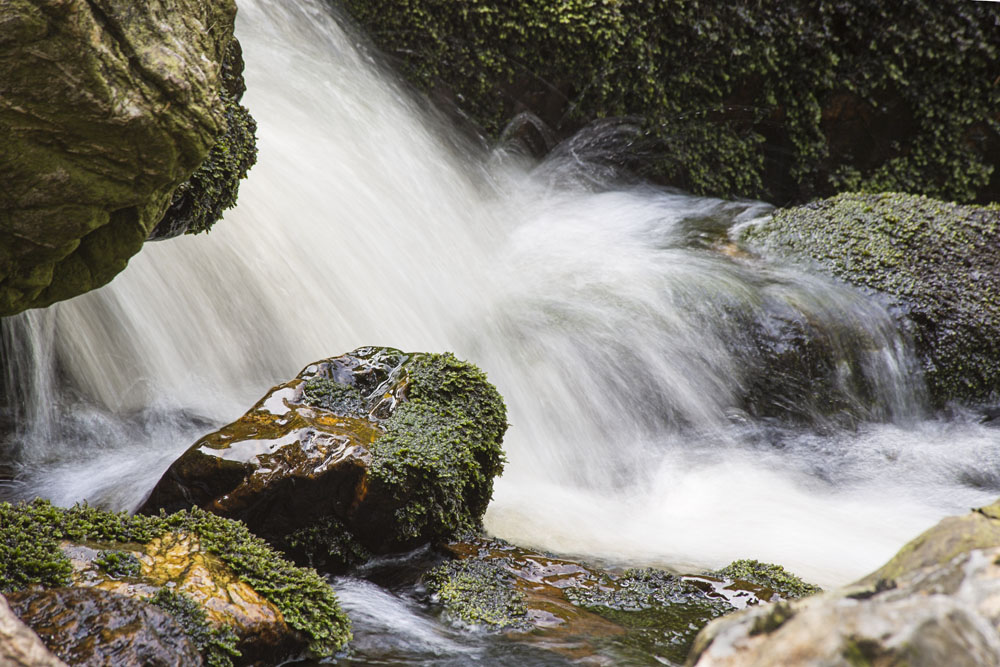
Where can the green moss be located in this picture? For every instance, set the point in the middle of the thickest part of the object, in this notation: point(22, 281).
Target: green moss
point(480, 593)
point(775, 577)
point(29, 547)
point(326, 544)
point(118, 564)
point(935, 261)
point(781, 101)
point(334, 396)
point(216, 645)
point(442, 447)
point(777, 615)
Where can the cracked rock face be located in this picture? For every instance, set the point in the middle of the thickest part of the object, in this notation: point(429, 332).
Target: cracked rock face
point(106, 106)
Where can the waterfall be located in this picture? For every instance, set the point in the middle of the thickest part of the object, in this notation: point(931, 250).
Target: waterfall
point(612, 316)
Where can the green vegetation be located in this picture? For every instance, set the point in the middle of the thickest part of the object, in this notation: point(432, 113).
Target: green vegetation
point(330, 395)
point(935, 261)
point(479, 592)
point(775, 577)
point(29, 553)
point(118, 564)
point(783, 101)
point(441, 448)
point(216, 645)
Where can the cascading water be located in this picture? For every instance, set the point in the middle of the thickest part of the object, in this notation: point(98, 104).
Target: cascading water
point(612, 318)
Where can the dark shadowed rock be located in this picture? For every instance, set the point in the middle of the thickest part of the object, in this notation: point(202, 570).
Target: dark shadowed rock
point(19, 645)
point(91, 627)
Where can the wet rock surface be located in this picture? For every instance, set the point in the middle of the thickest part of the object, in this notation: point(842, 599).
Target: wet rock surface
point(934, 262)
point(19, 645)
point(95, 627)
point(937, 602)
point(369, 452)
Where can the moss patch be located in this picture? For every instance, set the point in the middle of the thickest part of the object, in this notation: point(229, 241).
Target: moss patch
point(780, 101)
point(118, 564)
point(217, 645)
point(29, 553)
point(480, 593)
point(935, 261)
point(775, 577)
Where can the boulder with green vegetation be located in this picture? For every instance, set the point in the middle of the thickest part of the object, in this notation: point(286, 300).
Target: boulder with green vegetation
point(934, 262)
point(106, 107)
point(937, 602)
point(237, 600)
point(366, 453)
point(781, 101)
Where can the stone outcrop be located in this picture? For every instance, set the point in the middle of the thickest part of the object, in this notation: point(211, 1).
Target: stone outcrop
point(106, 107)
point(19, 645)
point(779, 101)
point(934, 262)
point(937, 602)
point(370, 452)
point(237, 600)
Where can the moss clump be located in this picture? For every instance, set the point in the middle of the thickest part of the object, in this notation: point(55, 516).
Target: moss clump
point(480, 593)
point(775, 577)
point(118, 564)
point(663, 612)
point(779, 614)
point(330, 395)
point(29, 553)
point(936, 262)
point(783, 101)
point(216, 645)
point(441, 448)
point(326, 544)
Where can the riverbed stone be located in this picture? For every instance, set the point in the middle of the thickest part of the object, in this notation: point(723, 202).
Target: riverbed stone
point(370, 452)
point(19, 645)
point(239, 601)
point(106, 107)
point(934, 263)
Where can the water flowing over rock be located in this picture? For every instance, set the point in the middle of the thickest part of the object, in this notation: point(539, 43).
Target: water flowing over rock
point(372, 451)
point(236, 599)
point(935, 262)
point(19, 645)
point(105, 108)
point(936, 603)
point(94, 627)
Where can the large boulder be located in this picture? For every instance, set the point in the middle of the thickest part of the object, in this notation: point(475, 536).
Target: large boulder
point(106, 107)
point(237, 599)
point(936, 603)
point(19, 645)
point(369, 452)
point(781, 101)
point(933, 262)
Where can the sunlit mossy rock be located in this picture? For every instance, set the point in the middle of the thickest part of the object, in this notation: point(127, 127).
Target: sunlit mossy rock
point(106, 107)
point(639, 616)
point(935, 263)
point(781, 101)
point(937, 602)
point(238, 601)
point(370, 452)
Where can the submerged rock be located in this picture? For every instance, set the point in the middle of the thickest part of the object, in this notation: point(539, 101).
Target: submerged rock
point(370, 452)
point(94, 627)
point(105, 108)
point(238, 600)
point(638, 616)
point(937, 602)
point(779, 101)
point(934, 262)
point(19, 645)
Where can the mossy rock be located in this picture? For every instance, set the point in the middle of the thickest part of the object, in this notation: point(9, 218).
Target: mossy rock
point(783, 102)
point(370, 452)
point(774, 577)
point(239, 600)
point(934, 262)
point(101, 123)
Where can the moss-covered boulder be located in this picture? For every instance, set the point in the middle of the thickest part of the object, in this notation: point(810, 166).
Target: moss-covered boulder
point(239, 601)
point(86, 626)
point(19, 645)
point(936, 263)
point(781, 101)
point(106, 107)
point(639, 616)
point(370, 452)
point(937, 602)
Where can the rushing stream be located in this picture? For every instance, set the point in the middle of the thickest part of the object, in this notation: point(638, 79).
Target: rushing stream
point(600, 310)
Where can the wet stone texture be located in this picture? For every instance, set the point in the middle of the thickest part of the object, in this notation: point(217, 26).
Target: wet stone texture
point(370, 452)
point(92, 627)
point(642, 616)
point(19, 645)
